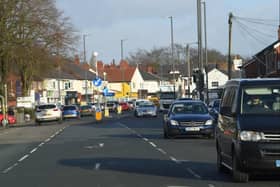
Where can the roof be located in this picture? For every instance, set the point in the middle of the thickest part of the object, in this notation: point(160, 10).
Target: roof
point(120, 75)
point(149, 76)
point(256, 81)
point(70, 70)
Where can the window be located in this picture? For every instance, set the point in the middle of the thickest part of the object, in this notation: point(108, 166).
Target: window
point(67, 85)
point(229, 104)
point(54, 85)
point(215, 84)
point(270, 62)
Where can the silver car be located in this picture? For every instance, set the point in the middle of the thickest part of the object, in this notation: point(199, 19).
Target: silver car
point(146, 109)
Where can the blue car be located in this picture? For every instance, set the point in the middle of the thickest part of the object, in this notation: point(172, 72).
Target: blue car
point(189, 117)
point(71, 111)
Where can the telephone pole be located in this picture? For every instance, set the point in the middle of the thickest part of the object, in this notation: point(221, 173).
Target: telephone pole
point(206, 54)
point(229, 44)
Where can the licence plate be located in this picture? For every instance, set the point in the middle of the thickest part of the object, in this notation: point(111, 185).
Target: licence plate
point(192, 129)
point(277, 163)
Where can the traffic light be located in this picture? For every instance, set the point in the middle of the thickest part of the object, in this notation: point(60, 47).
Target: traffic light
point(198, 78)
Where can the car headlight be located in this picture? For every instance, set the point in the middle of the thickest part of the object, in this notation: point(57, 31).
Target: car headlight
point(174, 123)
point(209, 122)
point(250, 136)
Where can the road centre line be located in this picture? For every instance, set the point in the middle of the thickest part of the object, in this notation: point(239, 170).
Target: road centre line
point(211, 185)
point(47, 140)
point(145, 139)
point(23, 158)
point(97, 166)
point(162, 151)
point(33, 150)
point(193, 173)
point(10, 168)
point(41, 144)
point(154, 145)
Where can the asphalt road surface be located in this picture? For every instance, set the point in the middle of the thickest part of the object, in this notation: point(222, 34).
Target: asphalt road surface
point(119, 152)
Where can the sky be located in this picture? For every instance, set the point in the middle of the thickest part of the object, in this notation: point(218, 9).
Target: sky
point(145, 24)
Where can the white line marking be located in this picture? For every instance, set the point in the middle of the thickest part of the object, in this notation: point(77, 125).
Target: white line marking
point(41, 144)
point(154, 145)
point(97, 166)
point(33, 150)
point(178, 186)
point(162, 151)
point(174, 159)
point(57, 132)
point(145, 139)
point(23, 158)
point(9, 168)
point(47, 140)
point(52, 136)
point(211, 185)
point(193, 173)
point(101, 145)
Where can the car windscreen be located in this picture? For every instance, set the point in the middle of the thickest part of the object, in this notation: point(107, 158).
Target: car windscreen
point(85, 107)
point(260, 100)
point(189, 108)
point(69, 108)
point(143, 104)
point(43, 107)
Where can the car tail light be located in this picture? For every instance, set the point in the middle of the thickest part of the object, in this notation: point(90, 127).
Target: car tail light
point(55, 109)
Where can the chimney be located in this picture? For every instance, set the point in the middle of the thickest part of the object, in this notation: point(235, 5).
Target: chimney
point(77, 60)
point(150, 69)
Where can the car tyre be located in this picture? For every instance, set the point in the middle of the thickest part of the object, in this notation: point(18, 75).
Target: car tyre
point(237, 175)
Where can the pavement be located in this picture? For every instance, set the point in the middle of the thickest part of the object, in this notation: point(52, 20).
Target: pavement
point(121, 151)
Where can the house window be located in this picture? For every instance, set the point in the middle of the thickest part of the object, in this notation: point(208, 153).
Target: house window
point(67, 85)
point(53, 85)
point(215, 84)
point(133, 85)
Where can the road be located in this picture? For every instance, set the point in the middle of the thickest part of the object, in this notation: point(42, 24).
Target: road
point(118, 152)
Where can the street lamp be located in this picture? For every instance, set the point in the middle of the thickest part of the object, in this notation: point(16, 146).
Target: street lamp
point(172, 53)
point(189, 66)
point(122, 41)
point(86, 71)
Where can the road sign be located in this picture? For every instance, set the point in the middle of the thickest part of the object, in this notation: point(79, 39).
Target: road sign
point(105, 91)
point(97, 82)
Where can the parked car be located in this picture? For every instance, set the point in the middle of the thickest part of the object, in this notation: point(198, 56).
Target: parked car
point(146, 108)
point(214, 109)
point(86, 110)
point(112, 106)
point(125, 106)
point(11, 117)
point(188, 117)
point(47, 112)
point(71, 111)
point(248, 130)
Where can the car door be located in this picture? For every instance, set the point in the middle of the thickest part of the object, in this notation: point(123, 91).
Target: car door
point(227, 122)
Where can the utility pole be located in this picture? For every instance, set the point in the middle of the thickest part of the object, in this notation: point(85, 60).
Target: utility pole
point(86, 71)
point(229, 44)
point(199, 42)
point(189, 69)
point(172, 55)
point(206, 54)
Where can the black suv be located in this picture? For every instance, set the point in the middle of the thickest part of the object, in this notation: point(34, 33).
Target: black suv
point(248, 130)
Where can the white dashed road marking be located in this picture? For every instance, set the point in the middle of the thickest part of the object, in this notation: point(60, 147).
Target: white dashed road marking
point(193, 173)
point(97, 166)
point(36, 148)
point(162, 151)
point(33, 150)
point(154, 145)
point(23, 158)
point(211, 185)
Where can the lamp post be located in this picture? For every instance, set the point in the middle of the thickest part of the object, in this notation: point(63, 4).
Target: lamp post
point(189, 66)
point(122, 51)
point(95, 54)
point(172, 53)
point(206, 53)
point(86, 71)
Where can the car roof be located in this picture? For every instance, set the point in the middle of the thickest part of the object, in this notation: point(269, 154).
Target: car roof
point(255, 81)
point(188, 101)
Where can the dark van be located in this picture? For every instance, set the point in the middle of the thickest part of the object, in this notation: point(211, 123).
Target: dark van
point(248, 130)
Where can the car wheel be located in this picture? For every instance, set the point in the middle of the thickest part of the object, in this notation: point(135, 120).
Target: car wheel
point(237, 175)
point(221, 168)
